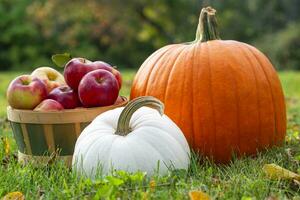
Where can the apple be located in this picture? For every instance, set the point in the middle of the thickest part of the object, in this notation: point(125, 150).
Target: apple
point(49, 105)
point(76, 68)
point(115, 72)
point(51, 77)
point(66, 96)
point(98, 88)
point(26, 92)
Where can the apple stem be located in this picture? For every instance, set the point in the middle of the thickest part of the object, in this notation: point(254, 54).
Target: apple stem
point(123, 127)
point(99, 80)
point(25, 82)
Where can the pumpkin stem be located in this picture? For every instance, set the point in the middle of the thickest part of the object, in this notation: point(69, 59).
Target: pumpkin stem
point(207, 28)
point(123, 123)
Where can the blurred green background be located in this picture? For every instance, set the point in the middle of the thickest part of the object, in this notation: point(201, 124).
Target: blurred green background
point(125, 33)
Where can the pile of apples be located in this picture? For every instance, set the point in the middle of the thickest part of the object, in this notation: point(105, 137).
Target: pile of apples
point(83, 84)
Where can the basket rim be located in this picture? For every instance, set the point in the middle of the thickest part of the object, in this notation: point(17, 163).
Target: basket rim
point(80, 114)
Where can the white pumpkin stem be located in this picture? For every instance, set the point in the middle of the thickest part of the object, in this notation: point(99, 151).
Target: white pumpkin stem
point(125, 116)
point(207, 28)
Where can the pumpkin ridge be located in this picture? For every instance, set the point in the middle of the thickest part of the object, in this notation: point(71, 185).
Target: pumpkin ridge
point(109, 158)
point(157, 53)
point(143, 144)
point(195, 87)
point(265, 137)
point(192, 83)
point(272, 94)
point(182, 107)
point(160, 55)
point(280, 107)
point(182, 87)
point(239, 45)
point(145, 63)
point(154, 68)
point(94, 143)
point(178, 52)
point(160, 73)
point(171, 137)
point(201, 131)
point(127, 146)
point(233, 148)
point(249, 65)
point(214, 150)
point(237, 100)
point(169, 77)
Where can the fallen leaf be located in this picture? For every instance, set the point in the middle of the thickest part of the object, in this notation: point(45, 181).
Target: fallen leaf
point(198, 195)
point(14, 196)
point(152, 184)
point(274, 171)
point(6, 145)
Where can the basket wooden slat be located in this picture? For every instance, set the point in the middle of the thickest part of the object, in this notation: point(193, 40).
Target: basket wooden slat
point(49, 137)
point(18, 135)
point(39, 134)
point(58, 117)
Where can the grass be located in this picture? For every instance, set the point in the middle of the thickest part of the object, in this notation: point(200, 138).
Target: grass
point(241, 179)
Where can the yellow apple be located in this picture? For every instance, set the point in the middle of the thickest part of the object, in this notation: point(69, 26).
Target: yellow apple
point(50, 77)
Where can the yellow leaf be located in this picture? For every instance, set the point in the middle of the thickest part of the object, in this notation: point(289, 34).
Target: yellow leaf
point(152, 184)
point(6, 145)
point(14, 196)
point(198, 195)
point(276, 172)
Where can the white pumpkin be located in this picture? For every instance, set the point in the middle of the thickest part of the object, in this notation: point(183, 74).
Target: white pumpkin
point(133, 138)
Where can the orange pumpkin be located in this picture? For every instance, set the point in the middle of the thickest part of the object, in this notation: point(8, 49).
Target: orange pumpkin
point(225, 95)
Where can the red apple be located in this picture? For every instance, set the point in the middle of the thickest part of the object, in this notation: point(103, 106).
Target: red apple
point(51, 77)
point(118, 76)
point(105, 66)
point(49, 105)
point(76, 68)
point(98, 88)
point(25, 92)
point(66, 96)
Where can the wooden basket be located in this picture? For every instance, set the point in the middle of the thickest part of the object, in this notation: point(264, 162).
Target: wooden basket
point(41, 135)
